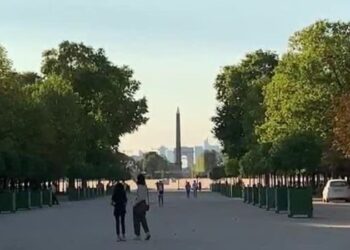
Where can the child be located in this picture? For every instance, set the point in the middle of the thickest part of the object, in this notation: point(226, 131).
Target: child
point(119, 201)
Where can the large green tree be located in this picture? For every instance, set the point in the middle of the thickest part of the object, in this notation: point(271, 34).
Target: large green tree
point(310, 74)
point(239, 93)
point(107, 91)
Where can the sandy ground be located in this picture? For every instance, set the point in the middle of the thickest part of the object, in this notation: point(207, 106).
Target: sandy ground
point(209, 222)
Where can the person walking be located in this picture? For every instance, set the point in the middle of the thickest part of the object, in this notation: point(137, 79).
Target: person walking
point(160, 188)
point(54, 197)
point(140, 208)
point(119, 201)
point(188, 189)
point(195, 189)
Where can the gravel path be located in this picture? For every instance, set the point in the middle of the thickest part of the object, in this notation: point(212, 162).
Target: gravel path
point(209, 222)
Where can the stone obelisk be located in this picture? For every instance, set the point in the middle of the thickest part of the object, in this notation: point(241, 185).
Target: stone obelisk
point(178, 154)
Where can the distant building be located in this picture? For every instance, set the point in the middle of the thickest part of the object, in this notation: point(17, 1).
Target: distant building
point(189, 153)
point(209, 147)
point(198, 151)
point(162, 151)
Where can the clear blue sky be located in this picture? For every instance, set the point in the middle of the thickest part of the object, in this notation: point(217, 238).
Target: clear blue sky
point(176, 48)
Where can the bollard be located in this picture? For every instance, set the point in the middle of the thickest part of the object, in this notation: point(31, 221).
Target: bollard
point(255, 195)
point(250, 195)
point(262, 197)
point(47, 198)
point(281, 199)
point(7, 202)
point(300, 201)
point(270, 198)
point(23, 200)
point(36, 199)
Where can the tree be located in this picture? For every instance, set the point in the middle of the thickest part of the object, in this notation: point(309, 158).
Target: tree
point(239, 92)
point(315, 69)
point(231, 167)
point(107, 91)
point(64, 141)
point(341, 131)
point(297, 153)
point(154, 164)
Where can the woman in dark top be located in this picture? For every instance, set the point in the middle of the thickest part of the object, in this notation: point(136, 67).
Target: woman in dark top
point(119, 201)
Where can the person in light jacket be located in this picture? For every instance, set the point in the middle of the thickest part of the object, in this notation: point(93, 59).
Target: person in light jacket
point(140, 208)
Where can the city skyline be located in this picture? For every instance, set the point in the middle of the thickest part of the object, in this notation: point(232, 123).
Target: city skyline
point(212, 146)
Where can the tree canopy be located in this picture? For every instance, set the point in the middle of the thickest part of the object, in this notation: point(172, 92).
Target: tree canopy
point(68, 120)
point(288, 114)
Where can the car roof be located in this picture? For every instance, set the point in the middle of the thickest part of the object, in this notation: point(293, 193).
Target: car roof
point(334, 180)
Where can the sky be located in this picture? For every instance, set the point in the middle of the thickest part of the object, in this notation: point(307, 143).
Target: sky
point(176, 48)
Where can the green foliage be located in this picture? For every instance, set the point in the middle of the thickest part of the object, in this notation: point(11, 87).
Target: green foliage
point(315, 69)
point(67, 122)
point(231, 167)
point(239, 92)
point(107, 91)
point(296, 153)
point(217, 173)
point(153, 164)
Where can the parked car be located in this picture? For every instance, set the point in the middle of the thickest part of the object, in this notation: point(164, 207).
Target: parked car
point(337, 189)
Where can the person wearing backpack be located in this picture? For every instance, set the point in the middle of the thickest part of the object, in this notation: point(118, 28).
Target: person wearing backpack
point(141, 206)
point(119, 201)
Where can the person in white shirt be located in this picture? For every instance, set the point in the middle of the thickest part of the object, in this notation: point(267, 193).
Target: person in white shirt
point(141, 206)
point(54, 197)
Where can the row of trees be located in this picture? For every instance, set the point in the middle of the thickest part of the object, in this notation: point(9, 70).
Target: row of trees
point(288, 115)
point(67, 120)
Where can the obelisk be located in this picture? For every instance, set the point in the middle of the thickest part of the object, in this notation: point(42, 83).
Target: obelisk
point(178, 154)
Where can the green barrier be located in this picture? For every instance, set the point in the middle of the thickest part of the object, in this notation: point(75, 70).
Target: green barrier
point(73, 194)
point(255, 195)
point(7, 202)
point(250, 195)
point(270, 198)
point(262, 197)
point(91, 193)
point(281, 199)
point(36, 198)
point(229, 191)
point(245, 194)
point(47, 198)
point(236, 192)
point(23, 200)
point(300, 202)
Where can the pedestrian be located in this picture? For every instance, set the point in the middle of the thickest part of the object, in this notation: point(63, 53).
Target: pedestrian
point(200, 186)
point(140, 208)
point(54, 197)
point(160, 188)
point(195, 189)
point(119, 201)
point(188, 189)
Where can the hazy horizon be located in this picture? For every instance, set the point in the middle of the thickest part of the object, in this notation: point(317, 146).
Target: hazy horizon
point(176, 49)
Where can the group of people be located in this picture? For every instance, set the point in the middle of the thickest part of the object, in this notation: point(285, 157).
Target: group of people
point(196, 186)
point(140, 208)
